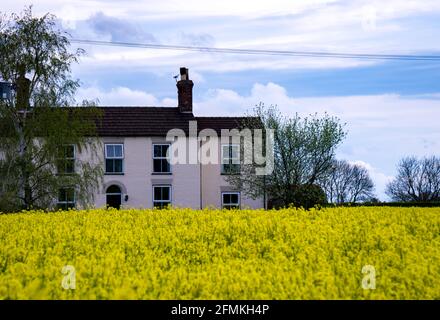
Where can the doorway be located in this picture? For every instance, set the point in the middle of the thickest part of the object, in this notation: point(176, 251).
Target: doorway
point(114, 197)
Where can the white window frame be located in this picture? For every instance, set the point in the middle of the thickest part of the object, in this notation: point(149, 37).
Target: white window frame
point(231, 204)
point(65, 159)
point(170, 201)
point(162, 158)
point(114, 157)
point(67, 202)
point(229, 158)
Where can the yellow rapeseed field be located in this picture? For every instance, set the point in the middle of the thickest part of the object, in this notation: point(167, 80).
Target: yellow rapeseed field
point(215, 254)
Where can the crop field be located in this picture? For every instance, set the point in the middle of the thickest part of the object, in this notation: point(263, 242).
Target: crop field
point(334, 253)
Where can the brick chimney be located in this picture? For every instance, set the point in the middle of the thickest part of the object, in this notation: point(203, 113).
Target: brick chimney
point(184, 91)
point(23, 89)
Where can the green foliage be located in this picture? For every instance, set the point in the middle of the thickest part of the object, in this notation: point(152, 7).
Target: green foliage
point(38, 122)
point(304, 152)
point(303, 196)
point(308, 196)
point(38, 46)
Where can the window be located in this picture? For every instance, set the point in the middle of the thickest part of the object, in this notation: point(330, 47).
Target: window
point(114, 158)
point(161, 196)
point(66, 159)
point(230, 159)
point(231, 200)
point(161, 163)
point(66, 198)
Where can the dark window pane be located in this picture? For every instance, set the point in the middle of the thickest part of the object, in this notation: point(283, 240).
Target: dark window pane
point(157, 193)
point(165, 193)
point(161, 165)
point(165, 165)
point(70, 151)
point(70, 195)
point(157, 165)
point(70, 166)
point(162, 193)
point(109, 165)
point(226, 198)
point(160, 150)
point(234, 198)
point(118, 165)
point(62, 195)
point(165, 150)
point(157, 151)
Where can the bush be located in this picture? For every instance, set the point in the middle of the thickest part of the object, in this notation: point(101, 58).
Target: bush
point(309, 196)
point(306, 196)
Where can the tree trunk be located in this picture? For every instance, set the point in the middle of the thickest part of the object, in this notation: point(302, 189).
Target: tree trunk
point(21, 107)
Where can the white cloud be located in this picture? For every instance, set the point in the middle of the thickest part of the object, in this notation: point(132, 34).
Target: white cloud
point(122, 96)
point(381, 128)
point(303, 25)
point(379, 178)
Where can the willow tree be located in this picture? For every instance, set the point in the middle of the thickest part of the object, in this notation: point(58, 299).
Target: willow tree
point(40, 131)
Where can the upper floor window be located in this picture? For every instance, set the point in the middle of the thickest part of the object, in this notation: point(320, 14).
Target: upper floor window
point(161, 196)
point(114, 158)
point(161, 160)
point(66, 198)
point(230, 159)
point(66, 159)
point(231, 200)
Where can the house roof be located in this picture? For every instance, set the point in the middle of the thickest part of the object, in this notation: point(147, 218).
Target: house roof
point(155, 121)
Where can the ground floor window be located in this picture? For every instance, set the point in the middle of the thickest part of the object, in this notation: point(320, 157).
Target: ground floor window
point(161, 196)
point(66, 198)
point(231, 200)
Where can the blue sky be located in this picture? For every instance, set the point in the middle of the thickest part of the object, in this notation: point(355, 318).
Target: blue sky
point(391, 107)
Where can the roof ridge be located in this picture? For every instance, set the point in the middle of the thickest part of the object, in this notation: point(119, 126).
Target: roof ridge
point(221, 117)
point(161, 107)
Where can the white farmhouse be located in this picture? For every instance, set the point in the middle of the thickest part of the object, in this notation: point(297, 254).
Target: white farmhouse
point(138, 170)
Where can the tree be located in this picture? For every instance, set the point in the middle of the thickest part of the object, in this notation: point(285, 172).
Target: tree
point(304, 150)
point(416, 180)
point(38, 126)
point(347, 182)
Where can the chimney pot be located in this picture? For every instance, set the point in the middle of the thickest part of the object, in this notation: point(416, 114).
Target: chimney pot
point(184, 91)
point(184, 74)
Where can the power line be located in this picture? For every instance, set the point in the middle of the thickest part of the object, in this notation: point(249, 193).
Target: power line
point(263, 52)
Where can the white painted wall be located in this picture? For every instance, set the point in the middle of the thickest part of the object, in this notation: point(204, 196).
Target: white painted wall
point(214, 183)
point(189, 190)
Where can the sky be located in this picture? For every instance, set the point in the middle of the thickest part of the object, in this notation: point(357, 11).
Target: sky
point(391, 108)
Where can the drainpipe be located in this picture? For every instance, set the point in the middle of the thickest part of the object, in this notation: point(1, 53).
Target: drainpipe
point(201, 177)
